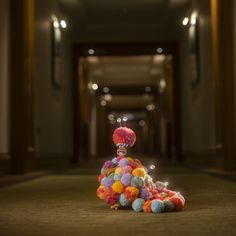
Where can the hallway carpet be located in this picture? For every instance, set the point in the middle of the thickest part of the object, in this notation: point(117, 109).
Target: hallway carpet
point(66, 204)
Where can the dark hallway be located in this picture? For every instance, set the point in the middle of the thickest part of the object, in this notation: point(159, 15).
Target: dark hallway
point(72, 72)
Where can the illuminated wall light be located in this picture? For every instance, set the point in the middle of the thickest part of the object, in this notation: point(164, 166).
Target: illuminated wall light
point(163, 83)
point(91, 51)
point(94, 86)
point(63, 24)
point(56, 24)
point(103, 103)
point(193, 20)
point(159, 50)
point(185, 21)
point(105, 90)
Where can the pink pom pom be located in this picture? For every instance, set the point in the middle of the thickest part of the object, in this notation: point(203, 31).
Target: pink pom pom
point(124, 136)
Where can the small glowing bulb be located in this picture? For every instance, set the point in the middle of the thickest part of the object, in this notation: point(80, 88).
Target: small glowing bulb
point(118, 120)
point(125, 119)
point(94, 86)
point(152, 166)
point(91, 51)
point(141, 122)
point(63, 24)
point(105, 89)
point(159, 50)
point(56, 24)
point(103, 103)
point(110, 117)
point(185, 21)
point(193, 20)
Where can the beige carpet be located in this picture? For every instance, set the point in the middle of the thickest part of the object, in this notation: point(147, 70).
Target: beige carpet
point(65, 204)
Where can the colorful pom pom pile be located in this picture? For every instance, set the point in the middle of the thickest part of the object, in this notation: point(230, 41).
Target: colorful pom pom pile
point(125, 182)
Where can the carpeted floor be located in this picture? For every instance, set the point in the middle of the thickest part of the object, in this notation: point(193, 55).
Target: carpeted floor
point(66, 204)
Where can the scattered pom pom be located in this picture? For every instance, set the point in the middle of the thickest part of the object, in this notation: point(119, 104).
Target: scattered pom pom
point(123, 200)
point(117, 177)
point(118, 187)
point(124, 162)
point(131, 193)
point(145, 194)
point(137, 182)
point(114, 161)
point(169, 206)
point(126, 179)
point(108, 164)
point(107, 182)
point(101, 192)
point(126, 169)
point(111, 197)
point(147, 207)
point(118, 170)
point(178, 202)
point(111, 176)
point(157, 206)
point(100, 177)
point(139, 172)
point(137, 204)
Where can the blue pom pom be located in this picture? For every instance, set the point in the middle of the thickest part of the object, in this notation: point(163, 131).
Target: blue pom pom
point(137, 204)
point(157, 206)
point(123, 201)
point(114, 160)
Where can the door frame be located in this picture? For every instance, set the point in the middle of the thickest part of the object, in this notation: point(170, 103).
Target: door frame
point(128, 49)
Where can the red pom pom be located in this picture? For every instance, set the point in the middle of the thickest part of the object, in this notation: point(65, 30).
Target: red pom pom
point(124, 136)
point(100, 177)
point(111, 197)
point(178, 202)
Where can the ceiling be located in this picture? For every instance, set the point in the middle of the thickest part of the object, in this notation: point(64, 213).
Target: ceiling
point(123, 15)
point(125, 70)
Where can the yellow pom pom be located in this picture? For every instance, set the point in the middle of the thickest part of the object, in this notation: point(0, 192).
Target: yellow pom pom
point(118, 170)
point(139, 172)
point(101, 191)
point(118, 187)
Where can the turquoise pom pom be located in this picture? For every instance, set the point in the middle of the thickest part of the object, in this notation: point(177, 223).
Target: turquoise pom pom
point(169, 206)
point(123, 200)
point(137, 204)
point(117, 177)
point(137, 181)
point(157, 206)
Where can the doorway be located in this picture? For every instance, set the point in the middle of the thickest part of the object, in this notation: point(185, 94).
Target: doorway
point(138, 82)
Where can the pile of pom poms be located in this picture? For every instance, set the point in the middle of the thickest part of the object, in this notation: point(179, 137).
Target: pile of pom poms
point(125, 183)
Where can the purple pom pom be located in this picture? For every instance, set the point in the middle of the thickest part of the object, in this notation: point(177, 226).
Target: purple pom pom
point(107, 182)
point(123, 162)
point(144, 194)
point(126, 179)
